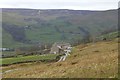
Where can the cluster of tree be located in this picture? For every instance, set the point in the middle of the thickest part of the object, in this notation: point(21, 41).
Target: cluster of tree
point(33, 50)
point(25, 51)
point(8, 55)
point(86, 39)
point(108, 31)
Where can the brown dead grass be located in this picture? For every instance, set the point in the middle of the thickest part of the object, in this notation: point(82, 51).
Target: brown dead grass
point(98, 60)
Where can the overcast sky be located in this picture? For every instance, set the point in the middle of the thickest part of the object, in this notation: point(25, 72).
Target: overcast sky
point(61, 4)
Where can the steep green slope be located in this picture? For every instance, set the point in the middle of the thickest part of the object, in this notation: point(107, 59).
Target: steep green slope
point(33, 26)
point(8, 40)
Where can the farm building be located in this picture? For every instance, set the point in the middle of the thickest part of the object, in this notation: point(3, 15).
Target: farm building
point(59, 47)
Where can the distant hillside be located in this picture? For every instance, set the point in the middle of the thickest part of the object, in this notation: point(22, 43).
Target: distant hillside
point(33, 26)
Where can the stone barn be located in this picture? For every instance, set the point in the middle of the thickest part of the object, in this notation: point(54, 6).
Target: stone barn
point(59, 47)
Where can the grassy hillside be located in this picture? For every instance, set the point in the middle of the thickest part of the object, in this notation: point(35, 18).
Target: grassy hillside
point(92, 60)
point(33, 26)
point(111, 35)
point(8, 41)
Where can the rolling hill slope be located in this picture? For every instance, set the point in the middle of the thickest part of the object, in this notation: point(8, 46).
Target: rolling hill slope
point(92, 60)
point(33, 26)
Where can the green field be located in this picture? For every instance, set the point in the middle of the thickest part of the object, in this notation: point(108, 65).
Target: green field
point(6, 61)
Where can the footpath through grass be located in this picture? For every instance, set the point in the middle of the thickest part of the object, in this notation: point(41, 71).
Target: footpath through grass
point(7, 61)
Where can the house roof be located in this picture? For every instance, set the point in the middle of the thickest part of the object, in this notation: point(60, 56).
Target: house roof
point(61, 43)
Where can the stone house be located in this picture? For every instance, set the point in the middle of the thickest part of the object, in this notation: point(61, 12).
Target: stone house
point(59, 47)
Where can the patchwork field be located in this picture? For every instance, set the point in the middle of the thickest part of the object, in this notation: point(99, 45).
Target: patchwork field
point(92, 60)
point(21, 59)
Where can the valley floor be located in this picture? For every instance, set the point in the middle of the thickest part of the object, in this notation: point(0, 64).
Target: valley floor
point(92, 60)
